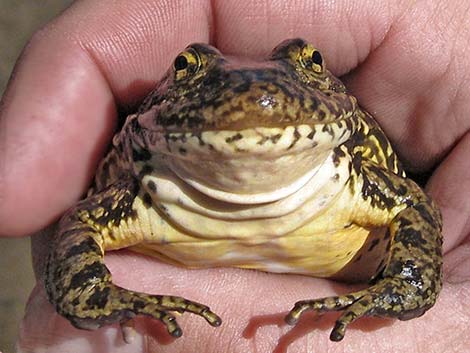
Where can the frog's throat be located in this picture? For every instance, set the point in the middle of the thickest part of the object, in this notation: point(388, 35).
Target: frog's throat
point(204, 216)
point(247, 199)
point(250, 166)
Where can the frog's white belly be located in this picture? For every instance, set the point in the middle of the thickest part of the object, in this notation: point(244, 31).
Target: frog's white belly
point(299, 233)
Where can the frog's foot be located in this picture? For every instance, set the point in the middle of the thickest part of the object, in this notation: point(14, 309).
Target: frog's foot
point(390, 297)
point(122, 305)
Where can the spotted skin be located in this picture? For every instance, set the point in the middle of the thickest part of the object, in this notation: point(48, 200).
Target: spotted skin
point(81, 284)
point(197, 152)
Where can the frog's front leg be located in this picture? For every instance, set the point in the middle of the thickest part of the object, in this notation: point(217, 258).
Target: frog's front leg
point(411, 279)
point(77, 281)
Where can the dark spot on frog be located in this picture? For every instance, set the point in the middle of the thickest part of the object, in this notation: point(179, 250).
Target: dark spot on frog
point(80, 248)
point(76, 301)
point(387, 235)
point(138, 304)
point(99, 297)
point(350, 128)
point(147, 200)
point(152, 186)
point(234, 138)
point(329, 130)
point(296, 138)
point(86, 274)
point(423, 211)
point(338, 155)
point(182, 151)
point(141, 155)
point(311, 134)
point(356, 163)
point(350, 297)
point(242, 87)
point(343, 132)
point(401, 191)
point(405, 222)
point(276, 138)
point(146, 170)
point(410, 237)
point(201, 141)
point(373, 244)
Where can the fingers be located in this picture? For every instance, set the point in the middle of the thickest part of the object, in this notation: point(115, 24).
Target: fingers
point(415, 82)
point(345, 31)
point(60, 107)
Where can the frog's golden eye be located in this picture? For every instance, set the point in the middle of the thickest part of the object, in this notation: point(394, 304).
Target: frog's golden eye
point(311, 59)
point(186, 64)
point(181, 63)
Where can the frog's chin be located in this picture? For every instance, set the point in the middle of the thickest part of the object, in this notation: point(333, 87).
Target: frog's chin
point(250, 178)
point(250, 166)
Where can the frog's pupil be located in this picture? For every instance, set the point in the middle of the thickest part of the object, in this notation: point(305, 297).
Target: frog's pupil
point(316, 57)
point(181, 63)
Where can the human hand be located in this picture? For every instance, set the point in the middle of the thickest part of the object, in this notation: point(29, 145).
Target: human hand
point(410, 71)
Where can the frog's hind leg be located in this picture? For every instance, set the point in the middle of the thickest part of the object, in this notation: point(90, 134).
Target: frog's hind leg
point(78, 282)
point(411, 279)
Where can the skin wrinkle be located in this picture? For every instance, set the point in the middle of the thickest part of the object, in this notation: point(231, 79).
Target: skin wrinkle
point(357, 77)
point(447, 195)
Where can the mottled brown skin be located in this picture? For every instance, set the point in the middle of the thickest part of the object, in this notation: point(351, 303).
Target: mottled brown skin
point(205, 91)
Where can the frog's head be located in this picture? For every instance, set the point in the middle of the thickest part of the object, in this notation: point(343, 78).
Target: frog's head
point(238, 126)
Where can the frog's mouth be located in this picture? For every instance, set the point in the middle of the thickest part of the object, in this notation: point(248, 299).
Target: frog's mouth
point(250, 166)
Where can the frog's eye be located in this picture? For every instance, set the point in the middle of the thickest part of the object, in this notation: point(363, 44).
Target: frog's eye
point(186, 64)
point(311, 59)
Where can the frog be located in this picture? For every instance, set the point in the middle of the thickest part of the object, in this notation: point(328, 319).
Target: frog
point(269, 165)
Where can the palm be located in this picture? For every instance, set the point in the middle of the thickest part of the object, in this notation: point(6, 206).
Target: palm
point(414, 89)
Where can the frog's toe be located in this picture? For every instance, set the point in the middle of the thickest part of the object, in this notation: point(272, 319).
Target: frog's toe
point(358, 309)
point(119, 305)
point(390, 297)
point(355, 305)
point(179, 304)
point(171, 324)
point(160, 307)
point(320, 305)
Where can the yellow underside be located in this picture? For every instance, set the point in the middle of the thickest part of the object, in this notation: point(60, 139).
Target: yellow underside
point(319, 255)
point(322, 248)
